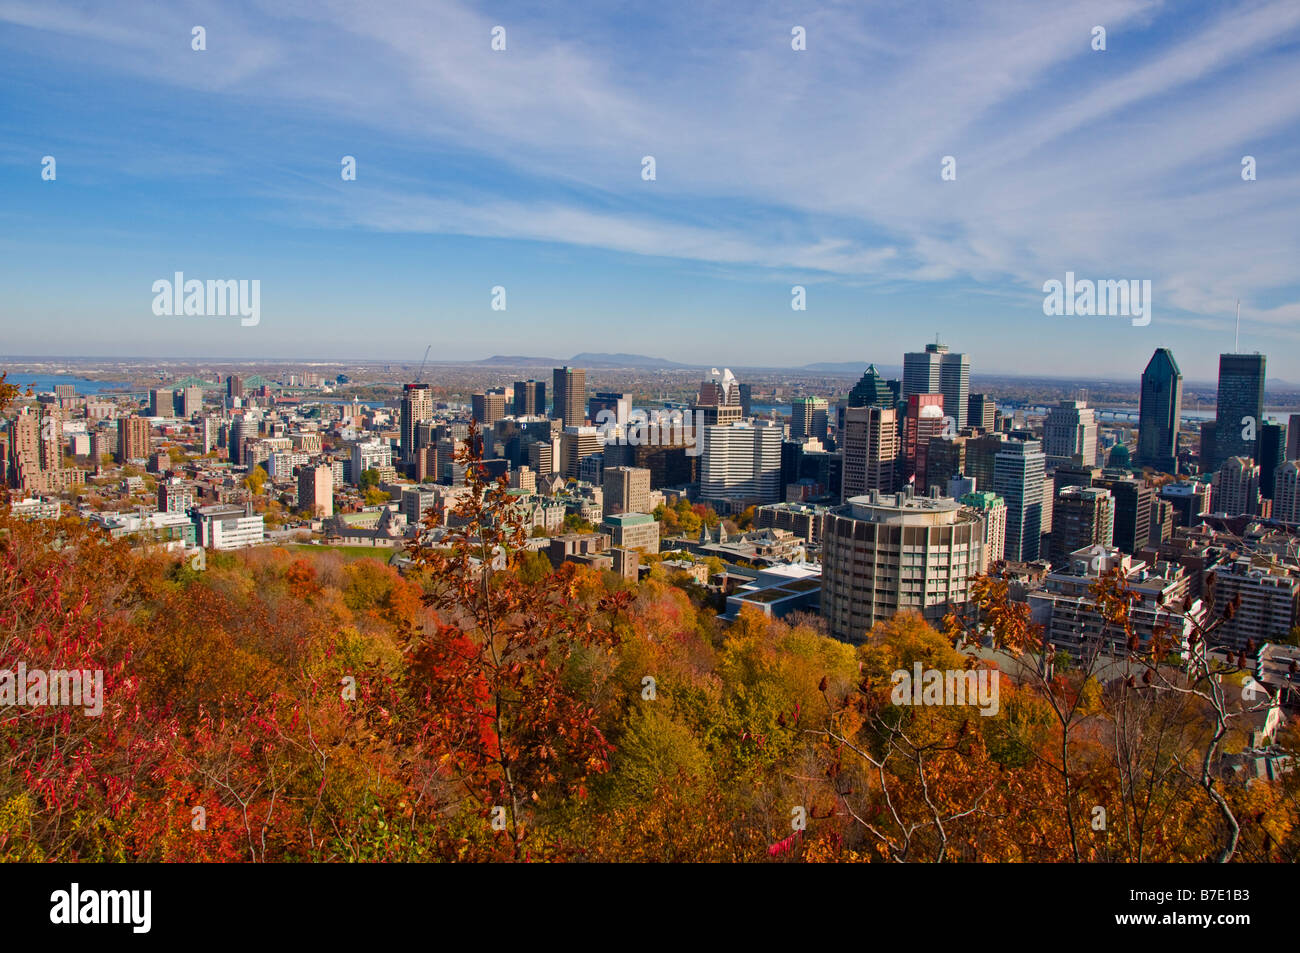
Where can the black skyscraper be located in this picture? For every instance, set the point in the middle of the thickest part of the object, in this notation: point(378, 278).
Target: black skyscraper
point(1240, 413)
point(1162, 397)
point(1272, 454)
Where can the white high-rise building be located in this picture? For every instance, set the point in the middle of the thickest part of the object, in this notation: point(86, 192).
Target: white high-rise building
point(370, 455)
point(1071, 431)
point(741, 461)
point(1236, 492)
point(1286, 493)
point(1018, 477)
point(883, 553)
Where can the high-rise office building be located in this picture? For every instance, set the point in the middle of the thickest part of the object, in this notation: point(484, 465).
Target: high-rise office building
point(872, 390)
point(1206, 454)
point(610, 407)
point(808, 418)
point(1293, 437)
point(1132, 511)
point(530, 398)
point(870, 450)
point(416, 408)
point(1190, 500)
point(316, 490)
point(882, 554)
point(234, 386)
point(1286, 492)
point(923, 421)
point(1019, 471)
point(936, 371)
point(132, 439)
point(160, 403)
point(1070, 432)
point(1237, 489)
point(1272, 453)
point(1159, 412)
point(1081, 516)
point(981, 454)
point(945, 458)
point(741, 462)
point(577, 443)
point(569, 391)
point(1240, 410)
point(627, 490)
point(718, 402)
point(488, 407)
point(189, 401)
point(980, 411)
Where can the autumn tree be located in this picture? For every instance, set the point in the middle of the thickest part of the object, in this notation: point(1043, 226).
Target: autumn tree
point(484, 698)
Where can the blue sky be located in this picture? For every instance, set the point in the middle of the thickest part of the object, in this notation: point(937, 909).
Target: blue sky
point(522, 168)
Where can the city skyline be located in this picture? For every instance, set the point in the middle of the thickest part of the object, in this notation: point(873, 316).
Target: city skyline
point(521, 168)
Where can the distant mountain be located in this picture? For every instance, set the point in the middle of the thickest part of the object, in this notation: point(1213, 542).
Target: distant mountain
point(588, 359)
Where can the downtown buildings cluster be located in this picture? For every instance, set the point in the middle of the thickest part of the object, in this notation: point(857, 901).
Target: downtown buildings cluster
point(887, 496)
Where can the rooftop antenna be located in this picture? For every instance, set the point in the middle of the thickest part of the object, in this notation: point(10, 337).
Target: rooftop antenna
point(1236, 337)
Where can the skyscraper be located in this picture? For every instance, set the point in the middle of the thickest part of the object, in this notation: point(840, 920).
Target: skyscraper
point(945, 458)
point(923, 422)
point(980, 409)
point(1018, 477)
point(1237, 491)
point(1081, 516)
point(1240, 410)
point(718, 401)
point(1272, 453)
point(870, 450)
point(530, 398)
point(161, 403)
point(1070, 432)
point(1132, 511)
point(872, 391)
point(1286, 492)
point(488, 407)
point(627, 490)
point(1159, 413)
point(569, 391)
point(741, 462)
point(936, 371)
point(132, 438)
point(808, 418)
point(316, 490)
point(884, 554)
point(615, 405)
point(981, 454)
point(417, 407)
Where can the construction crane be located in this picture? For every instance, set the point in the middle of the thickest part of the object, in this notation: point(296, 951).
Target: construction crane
point(419, 378)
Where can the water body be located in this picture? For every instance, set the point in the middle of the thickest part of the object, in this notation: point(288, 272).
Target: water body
point(44, 383)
